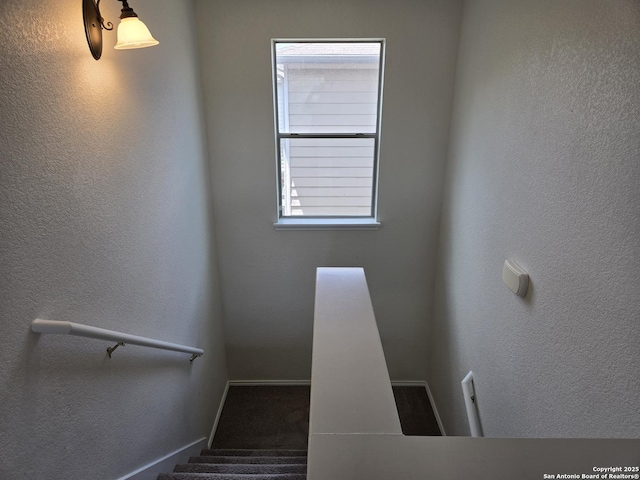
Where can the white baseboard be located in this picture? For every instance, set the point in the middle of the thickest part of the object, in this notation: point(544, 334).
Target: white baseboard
point(215, 422)
point(408, 383)
point(435, 410)
point(417, 383)
point(168, 462)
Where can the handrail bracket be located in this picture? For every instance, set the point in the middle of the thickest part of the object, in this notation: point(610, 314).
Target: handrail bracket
point(110, 350)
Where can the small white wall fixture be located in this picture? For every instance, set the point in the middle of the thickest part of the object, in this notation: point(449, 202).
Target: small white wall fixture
point(515, 277)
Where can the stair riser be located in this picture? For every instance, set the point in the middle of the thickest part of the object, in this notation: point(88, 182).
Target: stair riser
point(219, 452)
point(225, 476)
point(250, 460)
point(239, 469)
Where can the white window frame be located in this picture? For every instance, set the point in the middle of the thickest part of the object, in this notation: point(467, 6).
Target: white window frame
point(308, 222)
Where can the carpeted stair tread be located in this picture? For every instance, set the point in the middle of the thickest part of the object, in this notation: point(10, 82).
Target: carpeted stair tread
point(237, 468)
point(229, 476)
point(246, 452)
point(248, 460)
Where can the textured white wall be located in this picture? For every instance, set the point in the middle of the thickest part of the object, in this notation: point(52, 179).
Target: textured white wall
point(267, 275)
point(545, 169)
point(104, 220)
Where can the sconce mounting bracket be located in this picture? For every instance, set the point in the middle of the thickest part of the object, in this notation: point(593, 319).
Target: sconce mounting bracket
point(93, 25)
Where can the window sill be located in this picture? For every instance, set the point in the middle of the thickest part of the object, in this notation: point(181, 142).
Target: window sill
point(327, 224)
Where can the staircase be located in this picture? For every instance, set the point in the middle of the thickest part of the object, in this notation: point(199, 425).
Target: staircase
point(242, 464)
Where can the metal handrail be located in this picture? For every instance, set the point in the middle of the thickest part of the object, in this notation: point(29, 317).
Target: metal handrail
point(70, 328)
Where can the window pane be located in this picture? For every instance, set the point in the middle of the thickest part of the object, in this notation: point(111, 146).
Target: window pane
point(327, 176)
point(327, 87)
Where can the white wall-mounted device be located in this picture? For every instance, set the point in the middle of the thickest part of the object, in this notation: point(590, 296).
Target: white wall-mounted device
point(514, 277)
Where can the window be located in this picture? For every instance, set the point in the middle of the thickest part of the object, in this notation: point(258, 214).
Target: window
point(327, 100)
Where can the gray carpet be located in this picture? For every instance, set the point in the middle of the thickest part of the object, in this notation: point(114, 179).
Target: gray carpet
point(415, 412)
point(242, 464)
point(262, 434)
point(264, 418)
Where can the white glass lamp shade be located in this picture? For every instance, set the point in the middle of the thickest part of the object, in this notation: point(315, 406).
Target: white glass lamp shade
point(132, 33)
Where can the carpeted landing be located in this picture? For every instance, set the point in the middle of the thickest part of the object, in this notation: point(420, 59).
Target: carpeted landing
point(264, 417)
point(415, 412)
point(263, 431)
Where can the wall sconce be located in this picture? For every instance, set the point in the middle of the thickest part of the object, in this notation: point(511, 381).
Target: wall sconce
point(132, 33)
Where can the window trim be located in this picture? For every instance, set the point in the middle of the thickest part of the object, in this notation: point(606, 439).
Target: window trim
point(324, 222)
point(327, 223)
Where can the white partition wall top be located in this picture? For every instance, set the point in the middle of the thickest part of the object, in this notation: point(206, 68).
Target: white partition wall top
point(351, 391)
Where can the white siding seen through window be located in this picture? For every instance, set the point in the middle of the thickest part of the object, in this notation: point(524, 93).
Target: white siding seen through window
point(328, 110)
